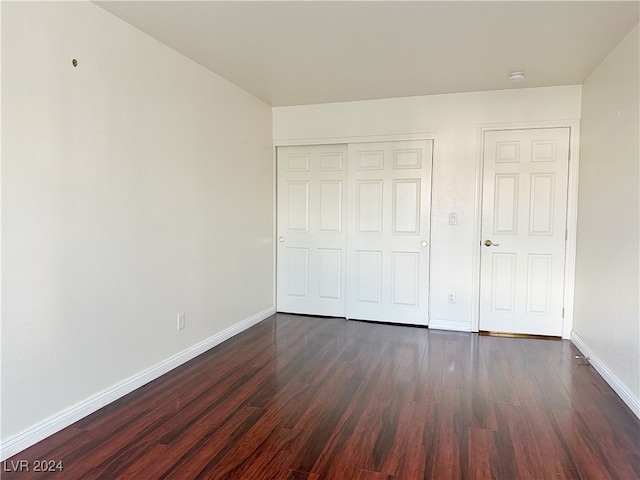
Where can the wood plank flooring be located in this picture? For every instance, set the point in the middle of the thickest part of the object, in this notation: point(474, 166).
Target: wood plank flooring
point(304, 398)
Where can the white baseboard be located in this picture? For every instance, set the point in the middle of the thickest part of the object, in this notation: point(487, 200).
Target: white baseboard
point(41, 430)
point(623, 392)
point(456, 325)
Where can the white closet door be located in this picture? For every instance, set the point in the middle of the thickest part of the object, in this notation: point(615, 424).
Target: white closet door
point(388, 231)
point(311, 229)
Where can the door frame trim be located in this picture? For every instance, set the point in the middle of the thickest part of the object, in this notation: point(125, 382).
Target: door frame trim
point(399, 137)
point(572, 214)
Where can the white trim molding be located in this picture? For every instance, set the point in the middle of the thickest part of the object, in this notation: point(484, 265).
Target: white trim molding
point(358, 139)
point(41, 430)
point(572, 214)
point(454, 325)
point(614, 382)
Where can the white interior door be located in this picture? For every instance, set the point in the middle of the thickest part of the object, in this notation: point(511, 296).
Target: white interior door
point(388, 224)
point(311, 229)
point(524, 206)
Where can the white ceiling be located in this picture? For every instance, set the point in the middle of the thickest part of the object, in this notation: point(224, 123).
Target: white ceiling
point(291, 53)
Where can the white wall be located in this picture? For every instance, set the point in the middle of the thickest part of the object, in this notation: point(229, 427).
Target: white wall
point(134, 187)
point(455, 120)
point(607, 316)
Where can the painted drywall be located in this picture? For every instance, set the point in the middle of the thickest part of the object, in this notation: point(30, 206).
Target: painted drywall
point(135, 186)
point(454, 119)
point(606, 311)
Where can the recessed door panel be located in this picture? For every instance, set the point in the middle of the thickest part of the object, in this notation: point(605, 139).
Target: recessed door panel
point(503, 282)
point(541, 204)
point(405, 278)
point(298, 206)
point(330, 273)
point(297, 272)
point(298, 162)
point(407, 158)
point(331, 161)
point(539, 274)
point(543, 150)
point(371, 160)
point(369, 206)
point(505, 216)
point(406, 206)
point(368, 277)
point(330, 205)
point(507, 152)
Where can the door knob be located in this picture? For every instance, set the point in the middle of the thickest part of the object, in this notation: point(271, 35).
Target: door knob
point(424, 243)
point(281, 239)
point(489, 243)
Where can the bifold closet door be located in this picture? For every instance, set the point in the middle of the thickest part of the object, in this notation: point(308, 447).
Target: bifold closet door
point(388, 230)
point(311, 229)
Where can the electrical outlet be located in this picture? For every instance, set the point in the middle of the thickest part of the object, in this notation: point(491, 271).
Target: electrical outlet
point(180, 321)
point(452, 297)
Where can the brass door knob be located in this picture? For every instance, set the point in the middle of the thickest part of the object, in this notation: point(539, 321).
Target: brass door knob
point(489, 243)
point(424, 243)
point(281, 239)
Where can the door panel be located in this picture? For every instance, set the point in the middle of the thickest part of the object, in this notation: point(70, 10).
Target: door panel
point(505, 213)
point(387, 223)
point(541, 204)
point(539, 271)
point(405, 278)
point(311, 229)
point(406, 207)
point(298, 206)
point(330, 273)
point(330, 206)
point(297, 272)
point(368, 277)
point(524, 219)
point(369, 206)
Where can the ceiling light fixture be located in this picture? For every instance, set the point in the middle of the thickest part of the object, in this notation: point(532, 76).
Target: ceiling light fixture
point(516, 76)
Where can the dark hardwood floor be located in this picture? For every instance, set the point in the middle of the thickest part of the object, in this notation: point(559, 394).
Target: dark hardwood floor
point(299, 397)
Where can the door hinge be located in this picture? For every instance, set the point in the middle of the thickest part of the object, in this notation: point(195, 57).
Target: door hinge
point(562, 312)
point(566, 234)
point(569, 154)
